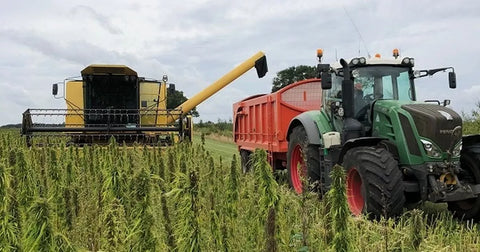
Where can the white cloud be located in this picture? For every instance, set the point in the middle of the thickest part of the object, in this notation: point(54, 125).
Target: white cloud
point(196, 42)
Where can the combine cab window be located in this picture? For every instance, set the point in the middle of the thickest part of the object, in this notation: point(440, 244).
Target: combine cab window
point(111, 94)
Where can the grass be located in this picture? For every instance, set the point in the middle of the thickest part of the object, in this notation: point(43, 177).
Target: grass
point(217, 146)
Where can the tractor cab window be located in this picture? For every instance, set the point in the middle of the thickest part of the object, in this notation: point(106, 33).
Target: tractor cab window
point(380, 82)
point(383, 82)
point(334, 94)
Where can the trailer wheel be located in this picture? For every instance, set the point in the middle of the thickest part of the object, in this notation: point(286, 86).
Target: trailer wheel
point(374, 182)
point(302, 159)
point(470, 164)
point(245, 160)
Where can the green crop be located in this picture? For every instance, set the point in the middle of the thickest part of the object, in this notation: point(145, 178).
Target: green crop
point(184, 198)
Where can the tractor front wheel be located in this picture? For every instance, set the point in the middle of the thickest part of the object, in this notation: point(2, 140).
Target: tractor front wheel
point(374, 182)
point(470, 164)
point(302, 160)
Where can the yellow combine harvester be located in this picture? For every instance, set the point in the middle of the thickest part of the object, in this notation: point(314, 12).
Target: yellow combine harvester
point(113, 101)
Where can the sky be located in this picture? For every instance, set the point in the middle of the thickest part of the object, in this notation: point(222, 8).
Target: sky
point(196, 42)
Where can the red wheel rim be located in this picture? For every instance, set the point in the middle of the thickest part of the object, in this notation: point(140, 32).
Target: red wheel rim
point(295, 175)
point(354, 192)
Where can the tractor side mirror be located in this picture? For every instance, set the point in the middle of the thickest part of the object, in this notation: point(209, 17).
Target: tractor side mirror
point(55, 89)
point(325, 75)
point(452, 80)
point(326, 80)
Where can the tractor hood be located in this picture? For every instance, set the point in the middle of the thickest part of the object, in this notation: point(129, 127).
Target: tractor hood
point(435, 122)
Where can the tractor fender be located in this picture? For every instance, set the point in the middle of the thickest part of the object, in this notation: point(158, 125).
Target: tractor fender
point(471, 140)
point(362, 141)
point(310, 126)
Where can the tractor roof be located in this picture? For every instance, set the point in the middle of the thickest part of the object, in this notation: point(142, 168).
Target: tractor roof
point(374, 61)
point(108, 69)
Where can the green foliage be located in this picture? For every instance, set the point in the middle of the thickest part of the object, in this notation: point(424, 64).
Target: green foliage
point(268, 197)
point(39, 234)
point(293, 74)
point(184, 198)
point(417, 228)
point(220, 128)
point(471, 123)
point(176, 98)
point(339, 211)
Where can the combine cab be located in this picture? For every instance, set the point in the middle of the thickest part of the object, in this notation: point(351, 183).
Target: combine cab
point(113, 101)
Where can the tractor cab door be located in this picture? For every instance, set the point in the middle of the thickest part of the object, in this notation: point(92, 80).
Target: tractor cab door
point(333, 102)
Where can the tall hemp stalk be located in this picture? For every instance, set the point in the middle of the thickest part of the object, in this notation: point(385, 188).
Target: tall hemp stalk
point(185, 194)
point(167, 223)
point(339, 211)
point(269, 197)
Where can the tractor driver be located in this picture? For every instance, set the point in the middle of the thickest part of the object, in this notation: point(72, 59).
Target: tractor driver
point(359, 102)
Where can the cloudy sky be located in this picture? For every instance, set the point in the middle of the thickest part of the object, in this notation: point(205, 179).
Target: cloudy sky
point(196, 42)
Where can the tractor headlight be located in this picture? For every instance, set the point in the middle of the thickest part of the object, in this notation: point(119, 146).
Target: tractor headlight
point(431, 149)
point(408, 61)
point(458, 148)
point(358, 61)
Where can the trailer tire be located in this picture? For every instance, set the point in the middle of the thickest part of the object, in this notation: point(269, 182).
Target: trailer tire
point(299, 151)
point(245, 161)
point(470, 164)
point(374, 182)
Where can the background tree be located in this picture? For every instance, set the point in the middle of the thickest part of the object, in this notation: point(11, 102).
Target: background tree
point(175, 98)
point(293, 74)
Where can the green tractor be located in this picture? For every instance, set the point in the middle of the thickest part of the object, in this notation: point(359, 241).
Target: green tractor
point(395, 150)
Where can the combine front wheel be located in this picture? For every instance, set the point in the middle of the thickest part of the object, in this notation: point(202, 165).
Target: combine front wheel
point(374, 182)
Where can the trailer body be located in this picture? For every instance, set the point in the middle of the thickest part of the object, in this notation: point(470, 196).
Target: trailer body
point(262, 121)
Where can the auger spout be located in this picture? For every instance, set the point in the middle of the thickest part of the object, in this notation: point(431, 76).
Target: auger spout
point(259, 61)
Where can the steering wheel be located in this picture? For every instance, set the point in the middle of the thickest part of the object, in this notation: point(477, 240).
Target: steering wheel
point(362, 113)
point(369, 97)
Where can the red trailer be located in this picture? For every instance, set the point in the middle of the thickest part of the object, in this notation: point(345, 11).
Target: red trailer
point(261, 121)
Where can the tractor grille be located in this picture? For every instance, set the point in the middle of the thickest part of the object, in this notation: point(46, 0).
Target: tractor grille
point(436, 123)
point(409, 136)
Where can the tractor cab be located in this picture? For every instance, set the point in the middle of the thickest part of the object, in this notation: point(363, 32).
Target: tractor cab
point(354, 86)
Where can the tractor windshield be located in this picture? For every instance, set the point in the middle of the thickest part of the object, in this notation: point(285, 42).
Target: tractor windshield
point(382, 82)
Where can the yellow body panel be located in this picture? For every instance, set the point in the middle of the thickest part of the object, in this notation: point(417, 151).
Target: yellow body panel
point(150, 93)
point(74, 99)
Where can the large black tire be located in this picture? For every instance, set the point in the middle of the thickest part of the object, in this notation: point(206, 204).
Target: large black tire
point(299, 152)
point(470, 164)
point(374, 182)
point(245, 160)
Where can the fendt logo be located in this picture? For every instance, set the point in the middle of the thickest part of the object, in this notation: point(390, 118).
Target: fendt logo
point(456, 131)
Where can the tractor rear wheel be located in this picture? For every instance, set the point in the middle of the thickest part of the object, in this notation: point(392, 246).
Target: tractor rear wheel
point(470, 164)
point(302, 160)
point(374, 182)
